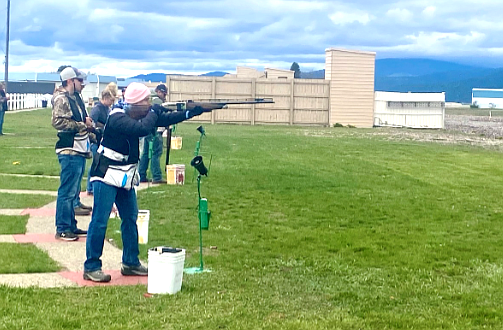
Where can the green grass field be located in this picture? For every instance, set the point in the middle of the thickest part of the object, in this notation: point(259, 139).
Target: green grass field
point(474, 112)
point(10, 224)
point(24, 258)
point(314, 228)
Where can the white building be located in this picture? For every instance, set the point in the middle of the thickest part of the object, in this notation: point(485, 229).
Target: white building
point(487, 98)
point(94, 85)
point(414, 110)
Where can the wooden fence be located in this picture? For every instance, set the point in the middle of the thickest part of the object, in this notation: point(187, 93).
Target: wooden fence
point(297, 101)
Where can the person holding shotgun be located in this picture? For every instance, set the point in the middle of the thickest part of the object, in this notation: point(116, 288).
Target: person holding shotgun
point(114, 173)
point(154, 138)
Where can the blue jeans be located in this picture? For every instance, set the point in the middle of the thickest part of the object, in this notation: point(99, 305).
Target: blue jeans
point(94, 149)
point(70, 177)
point(2, 114)
point(155, 162)
point(104, 197)
point(76, 201)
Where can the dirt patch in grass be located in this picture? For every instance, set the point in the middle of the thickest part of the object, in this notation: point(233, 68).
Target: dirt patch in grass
point(469, 130)
point(479, 131)
point(479, 125)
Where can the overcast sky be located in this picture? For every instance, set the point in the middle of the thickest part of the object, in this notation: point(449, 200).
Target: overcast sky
point(129, 37)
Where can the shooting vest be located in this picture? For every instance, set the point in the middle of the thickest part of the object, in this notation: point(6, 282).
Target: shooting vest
point(74, 141)
point(112, 167)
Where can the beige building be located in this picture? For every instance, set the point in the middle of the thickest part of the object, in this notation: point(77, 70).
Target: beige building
point(248, 72)
point(270, 73)
point(351, 76)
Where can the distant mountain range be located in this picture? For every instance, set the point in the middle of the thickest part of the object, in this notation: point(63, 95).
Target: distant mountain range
point(413, 75)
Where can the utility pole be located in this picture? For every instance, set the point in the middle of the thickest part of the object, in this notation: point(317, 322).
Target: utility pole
point(7, 46)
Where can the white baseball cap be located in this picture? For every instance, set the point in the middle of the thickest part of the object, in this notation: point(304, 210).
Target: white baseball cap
point(68, 73)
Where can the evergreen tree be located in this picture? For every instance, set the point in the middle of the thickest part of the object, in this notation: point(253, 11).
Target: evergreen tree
point(295, 68)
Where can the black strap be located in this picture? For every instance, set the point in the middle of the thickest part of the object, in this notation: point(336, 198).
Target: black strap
point(81, 105)
point(75, 110)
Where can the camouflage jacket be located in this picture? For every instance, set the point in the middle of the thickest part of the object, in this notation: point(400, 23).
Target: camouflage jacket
point(63, 119)
point(62, 113)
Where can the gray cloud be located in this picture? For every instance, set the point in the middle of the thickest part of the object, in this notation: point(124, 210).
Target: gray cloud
point(128, 37)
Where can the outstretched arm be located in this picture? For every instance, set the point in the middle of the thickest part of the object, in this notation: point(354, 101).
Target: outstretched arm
point(166, 117)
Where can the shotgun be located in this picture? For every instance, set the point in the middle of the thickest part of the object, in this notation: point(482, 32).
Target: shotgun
point(212, 104)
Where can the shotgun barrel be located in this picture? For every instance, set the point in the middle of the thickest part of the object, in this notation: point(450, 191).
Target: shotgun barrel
point(212, 103)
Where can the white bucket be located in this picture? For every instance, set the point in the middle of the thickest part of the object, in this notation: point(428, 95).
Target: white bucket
point(142, 224)
point(165, 270)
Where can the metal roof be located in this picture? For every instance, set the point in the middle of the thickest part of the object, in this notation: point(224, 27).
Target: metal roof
point(21, 76)
point(487, 93)
point(45, 76)
point(349, 51)
point(92, 78)
point(54, 77)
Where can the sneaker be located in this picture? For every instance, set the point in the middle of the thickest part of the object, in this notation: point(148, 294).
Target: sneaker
point(85, 207)
point(159, 181)
point(143, 180)
point(80, 232)
point(97, 276)
point(81, 211)
point(67, 236)
point(139, 270)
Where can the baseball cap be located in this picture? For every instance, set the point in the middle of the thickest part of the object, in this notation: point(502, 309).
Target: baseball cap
point(81, 75)
point(68, 73)
point(162, 88)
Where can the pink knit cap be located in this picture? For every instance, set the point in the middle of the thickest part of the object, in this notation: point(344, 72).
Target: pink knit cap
point(136, 92)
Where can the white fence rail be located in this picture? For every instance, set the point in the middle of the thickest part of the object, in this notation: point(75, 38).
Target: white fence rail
point(26, 101)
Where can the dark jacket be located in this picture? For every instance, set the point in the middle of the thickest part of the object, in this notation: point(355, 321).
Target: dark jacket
point(99, 114)
point(3, 101)
point(122, 132)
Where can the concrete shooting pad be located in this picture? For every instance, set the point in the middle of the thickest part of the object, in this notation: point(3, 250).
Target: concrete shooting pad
point(70, 255)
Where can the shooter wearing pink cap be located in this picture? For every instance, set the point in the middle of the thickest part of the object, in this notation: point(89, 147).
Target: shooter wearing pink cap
point(114, 173)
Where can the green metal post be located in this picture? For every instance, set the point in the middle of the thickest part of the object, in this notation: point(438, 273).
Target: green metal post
point(200, 226)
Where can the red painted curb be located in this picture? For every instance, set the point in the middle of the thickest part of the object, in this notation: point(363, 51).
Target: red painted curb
point(41, 212)
point(117, 279)
point(42, 238)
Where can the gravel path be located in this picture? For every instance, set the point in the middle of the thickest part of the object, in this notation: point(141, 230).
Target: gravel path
point(477, 131)
point(488, 127)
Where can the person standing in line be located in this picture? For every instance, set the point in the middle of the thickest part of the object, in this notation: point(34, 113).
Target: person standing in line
point(114, 174)
point(157, 145)
point(99, 115)
point(3, 105)
point(72, 148)
point(78, 206)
